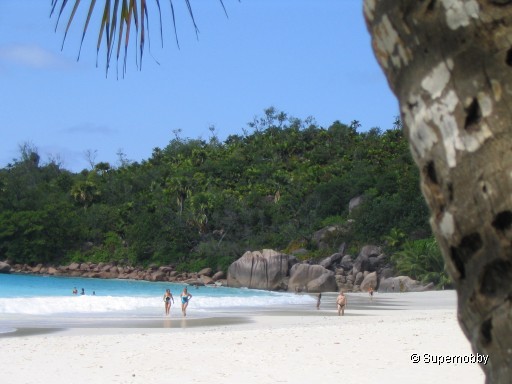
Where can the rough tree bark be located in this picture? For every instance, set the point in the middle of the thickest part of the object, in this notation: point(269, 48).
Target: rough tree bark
point(449, 62)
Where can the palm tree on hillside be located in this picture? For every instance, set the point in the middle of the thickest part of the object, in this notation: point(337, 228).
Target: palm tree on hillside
point(449, 64)
point(422, 260)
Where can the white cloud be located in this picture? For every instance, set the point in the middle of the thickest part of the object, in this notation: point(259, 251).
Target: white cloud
point(32, 56)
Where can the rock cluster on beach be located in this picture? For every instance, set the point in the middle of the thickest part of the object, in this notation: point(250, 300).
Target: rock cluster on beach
point(267, 269)
point(114, 271)
point(272, 270)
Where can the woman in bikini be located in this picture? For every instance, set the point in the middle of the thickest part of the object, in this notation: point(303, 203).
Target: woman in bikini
point(185, 298)
point(167, 300)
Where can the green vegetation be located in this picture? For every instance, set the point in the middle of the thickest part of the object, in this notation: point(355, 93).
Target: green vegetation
point(201, 202)
point(422, 260)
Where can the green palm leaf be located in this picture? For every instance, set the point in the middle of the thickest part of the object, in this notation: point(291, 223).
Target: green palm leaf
point(117, 19)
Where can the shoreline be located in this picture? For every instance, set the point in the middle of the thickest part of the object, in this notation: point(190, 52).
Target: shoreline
point(371, 343)
point(360, 305)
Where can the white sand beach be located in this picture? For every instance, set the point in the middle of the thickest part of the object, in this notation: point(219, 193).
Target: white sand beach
point(372, 343)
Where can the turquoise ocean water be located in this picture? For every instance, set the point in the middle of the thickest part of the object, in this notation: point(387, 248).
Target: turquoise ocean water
point(42, 298)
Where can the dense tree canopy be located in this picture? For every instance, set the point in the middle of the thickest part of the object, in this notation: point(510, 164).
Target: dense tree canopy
point(202, 202)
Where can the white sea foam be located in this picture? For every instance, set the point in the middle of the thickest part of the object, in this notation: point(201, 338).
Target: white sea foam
point(127, 304)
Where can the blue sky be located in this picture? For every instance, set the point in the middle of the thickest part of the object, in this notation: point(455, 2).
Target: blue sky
point(304, 57)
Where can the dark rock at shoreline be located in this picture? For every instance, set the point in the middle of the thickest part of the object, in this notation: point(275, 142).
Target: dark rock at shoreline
point(259, 270)
point(113, 271)
point(311, 278)
point(206, 280)
point(74, 266)
point(369, 281)
point(403, 284)
point(346, 263)
point(205, 272)
point(330, 261)
point(218, 276)
point(158, 276)
point(4, 267)
point(362, 262)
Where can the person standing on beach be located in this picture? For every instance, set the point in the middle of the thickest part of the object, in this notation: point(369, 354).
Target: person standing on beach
point(370, 292)
point(341, 302)
point(318, 300)
point(185, 298)
point(167, 300)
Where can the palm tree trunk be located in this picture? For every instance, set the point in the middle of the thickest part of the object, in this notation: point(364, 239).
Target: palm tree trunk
point(449, 64)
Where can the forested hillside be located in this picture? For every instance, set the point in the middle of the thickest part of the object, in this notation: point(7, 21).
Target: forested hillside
point(199, 202)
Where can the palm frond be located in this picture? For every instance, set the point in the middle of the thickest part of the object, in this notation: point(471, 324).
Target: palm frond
point(116, 22)
point(91, 8)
